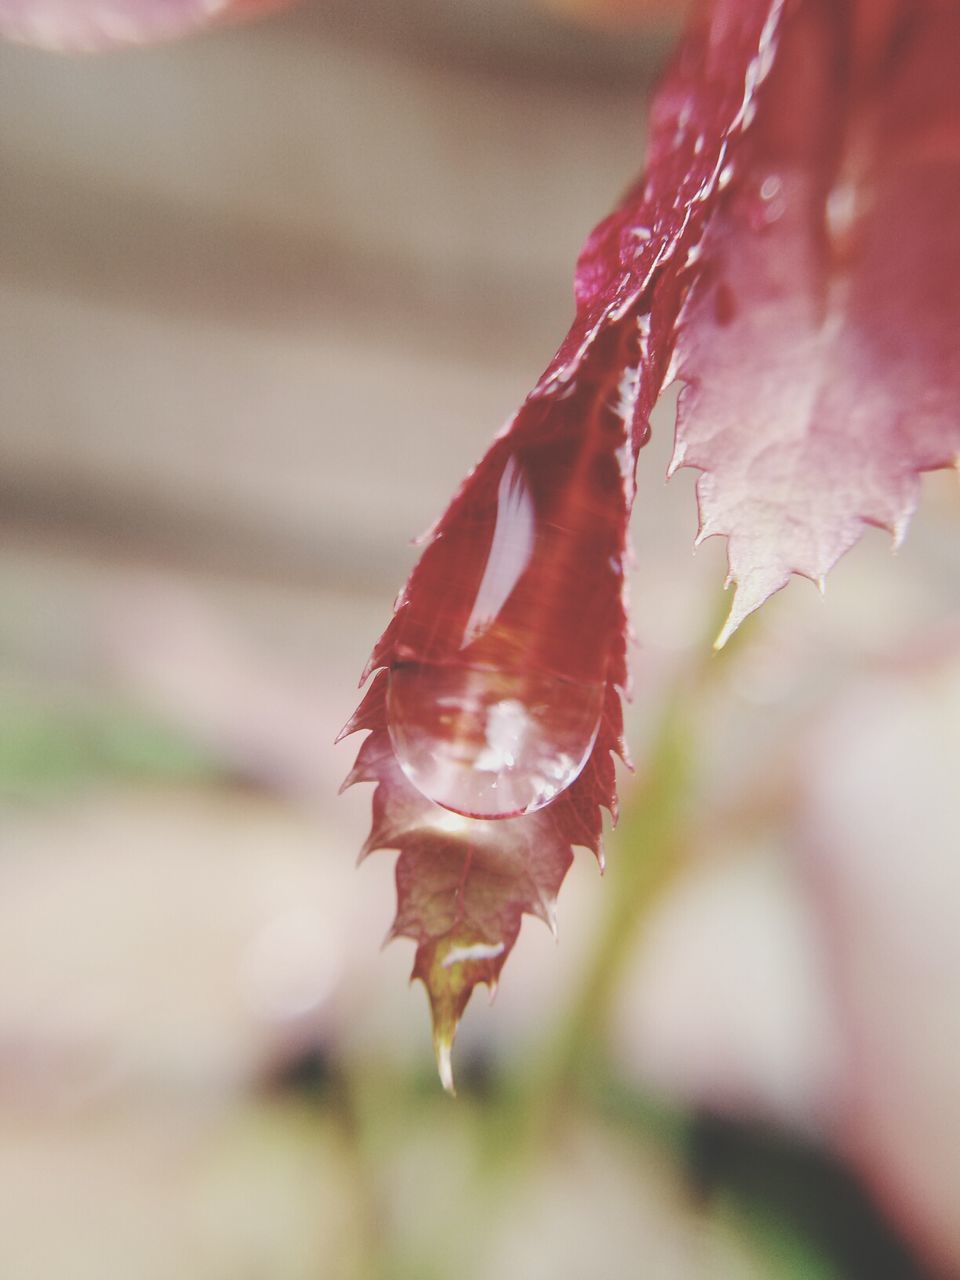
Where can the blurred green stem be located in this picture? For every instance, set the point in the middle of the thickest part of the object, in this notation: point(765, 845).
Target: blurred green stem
point(650, 848)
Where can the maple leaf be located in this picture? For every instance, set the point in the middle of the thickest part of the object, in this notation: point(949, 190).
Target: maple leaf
point(496, 707)
point(82, 26)
point(820, 345)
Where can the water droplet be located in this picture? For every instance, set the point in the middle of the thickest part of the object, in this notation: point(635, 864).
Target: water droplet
point(490, 744)
point(769, 202)
point(499, 667)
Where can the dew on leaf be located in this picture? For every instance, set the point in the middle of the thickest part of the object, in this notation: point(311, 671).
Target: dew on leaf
point(499, 656)
point(497, 693)
point(488, 743)
point(496, 689)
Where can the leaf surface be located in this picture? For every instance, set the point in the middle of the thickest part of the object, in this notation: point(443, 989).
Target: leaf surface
point(533, 547)
point(820, 344)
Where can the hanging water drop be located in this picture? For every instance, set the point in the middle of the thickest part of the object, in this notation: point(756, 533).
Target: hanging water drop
point(499, 667)
point(487, 743)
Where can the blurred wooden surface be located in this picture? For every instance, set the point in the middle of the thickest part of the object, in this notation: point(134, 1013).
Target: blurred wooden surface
point(266, 294)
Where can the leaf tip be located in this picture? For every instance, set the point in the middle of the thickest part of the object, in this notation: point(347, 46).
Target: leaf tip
point(345, 732)
point(550, 918)
point(443, 1048)
point(369, 846)
point(391, 936)
point(734, 618)
point(898, 532)
point(350, 780)
point(677, 461)
point(450, 968)
point(705, 531)
point(754, 586)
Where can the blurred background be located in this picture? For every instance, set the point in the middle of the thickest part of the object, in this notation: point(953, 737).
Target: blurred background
point(265, 295)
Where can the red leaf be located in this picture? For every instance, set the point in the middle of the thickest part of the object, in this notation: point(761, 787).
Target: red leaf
point(821, 343)
point(494, 720)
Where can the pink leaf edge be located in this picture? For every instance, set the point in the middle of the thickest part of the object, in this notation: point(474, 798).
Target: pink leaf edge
point(820, 343)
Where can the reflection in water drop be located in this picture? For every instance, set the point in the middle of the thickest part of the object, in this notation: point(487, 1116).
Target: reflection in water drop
point(509, 554)
point(490, 744)
point(500, 651)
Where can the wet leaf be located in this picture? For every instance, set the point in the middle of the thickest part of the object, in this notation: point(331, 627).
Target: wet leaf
point(496, 705)
point(820, 344)
point(791, 255)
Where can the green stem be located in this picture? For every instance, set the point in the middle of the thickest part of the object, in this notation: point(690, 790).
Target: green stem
point(650, 848)
point(648, 851)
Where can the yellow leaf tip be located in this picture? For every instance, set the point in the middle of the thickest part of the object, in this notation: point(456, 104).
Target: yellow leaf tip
point(443, 1048)
point(726, 631)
